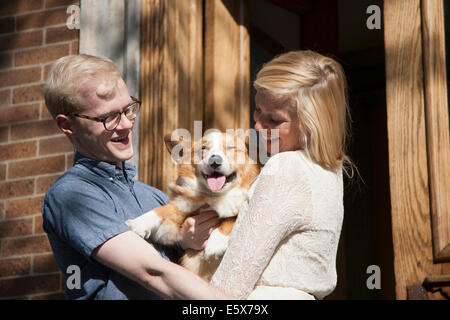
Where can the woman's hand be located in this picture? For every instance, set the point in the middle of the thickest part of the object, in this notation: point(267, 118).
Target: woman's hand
point(197, 228)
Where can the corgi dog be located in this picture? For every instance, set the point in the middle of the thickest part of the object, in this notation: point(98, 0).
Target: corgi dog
point(221, 178)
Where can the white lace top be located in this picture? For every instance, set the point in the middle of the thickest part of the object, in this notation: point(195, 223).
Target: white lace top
point(284, 242)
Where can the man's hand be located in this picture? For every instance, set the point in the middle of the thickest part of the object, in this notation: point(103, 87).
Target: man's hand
point(197, 228)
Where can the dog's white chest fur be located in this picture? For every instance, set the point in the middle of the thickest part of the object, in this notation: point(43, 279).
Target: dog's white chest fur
point(228, 205)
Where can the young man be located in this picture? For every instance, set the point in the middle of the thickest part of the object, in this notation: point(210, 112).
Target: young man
point(85, 209)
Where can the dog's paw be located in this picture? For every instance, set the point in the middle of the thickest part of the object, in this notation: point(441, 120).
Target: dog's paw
point(216, 245)
point(138, 228)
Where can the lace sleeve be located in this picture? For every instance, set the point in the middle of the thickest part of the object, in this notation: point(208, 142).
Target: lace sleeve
point(281, 203)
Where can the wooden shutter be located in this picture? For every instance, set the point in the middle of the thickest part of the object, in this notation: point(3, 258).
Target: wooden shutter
point(194, 66)
point(418, 144)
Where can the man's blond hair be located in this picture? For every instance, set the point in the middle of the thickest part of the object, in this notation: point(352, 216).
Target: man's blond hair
point(67, 76)
point(315, 85)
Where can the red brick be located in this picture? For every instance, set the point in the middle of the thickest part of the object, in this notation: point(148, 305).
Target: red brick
point(20, 76)
point(74, 49)
point(28, 94)
point(18, 188)
point(29, 285)
point(34, 129)
point(18, 150)
point(69, 160)
point(28, 168)
point(23, 246)
point(45, 263)
point(6, 61)
point(45, 114)
point(20, 113)
point(55, 145)
point(20, 6)
point(4, 132)
point(23, 207)
point(38, 225)
point(41, 55)
point(5, 97)
point(59, 34)
point(60, 3)
point(7, 25)
point(44, 183)
point(47, 69)
point(14, 228)
point(41, 19)
point(52, 296)
point(21, 40)
point(15, 267)
point(2, 172)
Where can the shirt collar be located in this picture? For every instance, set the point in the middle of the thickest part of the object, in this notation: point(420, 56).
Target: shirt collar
point(105, 169)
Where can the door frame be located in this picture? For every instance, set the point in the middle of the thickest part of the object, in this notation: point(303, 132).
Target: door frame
point(417, 121)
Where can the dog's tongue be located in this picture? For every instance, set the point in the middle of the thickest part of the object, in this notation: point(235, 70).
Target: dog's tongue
point(216, 183)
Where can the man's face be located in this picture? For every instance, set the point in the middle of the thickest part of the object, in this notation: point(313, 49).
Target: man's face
point(91, 138)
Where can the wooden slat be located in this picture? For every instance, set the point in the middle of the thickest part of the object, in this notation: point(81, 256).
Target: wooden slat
point(436, 108)
point(407, 145)
point(151, 75)
point(189, 48)
point(436, 281)
point(172, 77)
point(227, 65)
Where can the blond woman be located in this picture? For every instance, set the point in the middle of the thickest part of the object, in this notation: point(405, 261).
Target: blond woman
point(284, 243)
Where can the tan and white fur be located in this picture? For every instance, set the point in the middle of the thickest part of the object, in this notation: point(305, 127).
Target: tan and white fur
point(221, 179)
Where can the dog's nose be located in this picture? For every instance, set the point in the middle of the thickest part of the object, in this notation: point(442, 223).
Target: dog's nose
point(215, 161)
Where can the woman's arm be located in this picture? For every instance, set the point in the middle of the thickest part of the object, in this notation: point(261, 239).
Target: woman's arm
point(281, 204)
point(133, 257)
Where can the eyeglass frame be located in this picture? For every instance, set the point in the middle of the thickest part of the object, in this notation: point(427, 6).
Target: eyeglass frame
point(103, 120)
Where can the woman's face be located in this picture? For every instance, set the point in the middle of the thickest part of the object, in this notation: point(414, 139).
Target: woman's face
point(276, 113)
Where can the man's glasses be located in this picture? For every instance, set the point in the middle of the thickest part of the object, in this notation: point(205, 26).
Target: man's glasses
point(111, 121)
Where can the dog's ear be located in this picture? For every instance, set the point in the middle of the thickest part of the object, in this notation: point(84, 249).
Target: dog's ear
point(171, 143)
point(247, 141)
point(174, 139)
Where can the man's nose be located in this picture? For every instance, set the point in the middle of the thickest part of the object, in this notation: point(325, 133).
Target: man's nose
point(125, 123)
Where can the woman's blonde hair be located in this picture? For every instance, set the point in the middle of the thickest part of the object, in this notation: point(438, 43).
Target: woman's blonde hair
point(316, 86)
point(69, 73)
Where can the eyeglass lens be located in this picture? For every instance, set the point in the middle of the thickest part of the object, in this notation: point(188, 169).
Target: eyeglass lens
point(113, 120)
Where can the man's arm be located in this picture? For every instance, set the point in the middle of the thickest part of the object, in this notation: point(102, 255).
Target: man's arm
point(133, 257)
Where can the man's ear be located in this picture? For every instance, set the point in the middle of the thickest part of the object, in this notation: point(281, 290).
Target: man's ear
point(65, 124)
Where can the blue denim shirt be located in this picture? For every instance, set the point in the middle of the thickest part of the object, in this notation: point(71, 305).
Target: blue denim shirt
point(85, 207)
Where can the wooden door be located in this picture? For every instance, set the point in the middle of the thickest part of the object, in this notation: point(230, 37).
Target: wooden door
point(419, 147)
point(194, 67)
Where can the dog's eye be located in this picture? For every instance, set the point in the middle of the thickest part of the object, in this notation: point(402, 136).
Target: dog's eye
point(231, 148)
point(205, 148)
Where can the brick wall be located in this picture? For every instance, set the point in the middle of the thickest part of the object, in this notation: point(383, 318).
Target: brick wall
point(33, 152)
